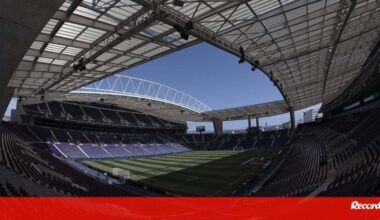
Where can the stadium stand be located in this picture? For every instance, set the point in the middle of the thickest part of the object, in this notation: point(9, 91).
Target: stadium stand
point(94, 114)
point(30, 170)
point(338, 156)
point(301, 173)
point(86, 144)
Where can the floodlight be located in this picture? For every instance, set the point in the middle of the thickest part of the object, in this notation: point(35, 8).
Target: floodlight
point(184, 35)
point(178, 3)
point(42, 91)
point(82, 67)
point(76, 67)
point(242, 55)
point(184, 31)
point(189, 26)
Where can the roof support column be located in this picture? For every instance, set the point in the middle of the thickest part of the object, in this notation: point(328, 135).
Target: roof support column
point(249, 122)
point(292, 119)
point(218, 126)
point(5, 97)
point(257, 122)
point(20, 22)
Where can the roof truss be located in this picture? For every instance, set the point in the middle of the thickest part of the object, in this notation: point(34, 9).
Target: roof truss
point(313, 48)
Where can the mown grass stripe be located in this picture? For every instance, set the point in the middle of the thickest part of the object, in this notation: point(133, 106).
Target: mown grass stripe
point(149, 166)
point(171, 162)
point(168, 169)
point(191, 173)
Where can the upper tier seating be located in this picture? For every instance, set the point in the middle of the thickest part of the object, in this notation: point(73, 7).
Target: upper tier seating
point(87, 113)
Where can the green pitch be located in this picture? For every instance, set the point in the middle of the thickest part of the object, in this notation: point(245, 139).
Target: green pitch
point(205, 173)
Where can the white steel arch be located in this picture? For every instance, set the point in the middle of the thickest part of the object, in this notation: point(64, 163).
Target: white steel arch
point(139, 88)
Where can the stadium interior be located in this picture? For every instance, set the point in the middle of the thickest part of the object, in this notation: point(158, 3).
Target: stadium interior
point(80, 128)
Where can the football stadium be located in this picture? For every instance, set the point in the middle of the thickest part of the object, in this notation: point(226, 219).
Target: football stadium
point(81, 126)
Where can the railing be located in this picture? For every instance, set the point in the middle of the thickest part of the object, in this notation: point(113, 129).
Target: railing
point(140, 88)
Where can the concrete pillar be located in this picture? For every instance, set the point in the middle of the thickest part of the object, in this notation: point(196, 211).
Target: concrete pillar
point(218, 126)
point(5, 97)
point(292, 119)
point(257, 122)
point(20, 23)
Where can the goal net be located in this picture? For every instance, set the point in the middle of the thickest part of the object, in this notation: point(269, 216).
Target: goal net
point(121, 173)
point(238, 149)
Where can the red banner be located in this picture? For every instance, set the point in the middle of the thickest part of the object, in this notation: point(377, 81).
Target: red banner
point(189, 208)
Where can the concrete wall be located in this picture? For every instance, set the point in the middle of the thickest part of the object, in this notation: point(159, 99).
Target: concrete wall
point(20, 23)
point(218, 126)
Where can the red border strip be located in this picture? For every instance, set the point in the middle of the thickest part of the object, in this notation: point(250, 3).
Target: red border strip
point(184, 208)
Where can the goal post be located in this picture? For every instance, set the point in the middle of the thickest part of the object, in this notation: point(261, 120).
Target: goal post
point(238, 148)
point(121, 173)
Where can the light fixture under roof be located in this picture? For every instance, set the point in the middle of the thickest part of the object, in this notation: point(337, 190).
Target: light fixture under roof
point(178, 3)
point(242, 54)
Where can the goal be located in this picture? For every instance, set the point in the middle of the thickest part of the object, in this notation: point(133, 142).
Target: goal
point(238, 148)
point(121, 173)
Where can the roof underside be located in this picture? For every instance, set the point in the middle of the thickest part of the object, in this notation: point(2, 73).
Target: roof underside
point(313, 48)
point(250, 111)
point(168, 111)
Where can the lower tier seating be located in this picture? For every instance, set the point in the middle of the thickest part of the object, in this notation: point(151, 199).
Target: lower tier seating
point(31, 170)
point(302, 172)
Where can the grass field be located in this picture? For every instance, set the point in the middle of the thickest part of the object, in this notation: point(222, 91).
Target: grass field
point(204, 173)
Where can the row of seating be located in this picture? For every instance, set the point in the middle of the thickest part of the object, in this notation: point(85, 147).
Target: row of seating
point(354, 154)
point(81, 144)
point(244, 141)
point(336, 157)
point(67, 150)
point(40, 173)
point(70, 111)
point(301, 173)
point(102, 145)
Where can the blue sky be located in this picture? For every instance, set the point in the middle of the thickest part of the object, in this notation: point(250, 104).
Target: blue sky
point(214, 77)
point(210, 75)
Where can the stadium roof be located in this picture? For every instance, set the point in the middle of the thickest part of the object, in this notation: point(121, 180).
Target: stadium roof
point(309, 49)
point(251, 111)
point(142, 95)
point(143, 89)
